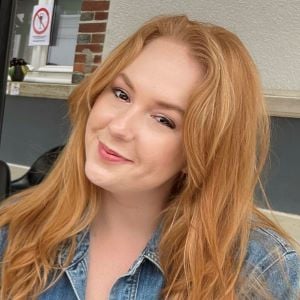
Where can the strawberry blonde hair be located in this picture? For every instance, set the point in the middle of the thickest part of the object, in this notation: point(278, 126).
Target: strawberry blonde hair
point(207, 222)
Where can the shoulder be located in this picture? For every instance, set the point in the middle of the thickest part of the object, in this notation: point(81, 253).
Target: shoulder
point(266, 243)
point(272, 262)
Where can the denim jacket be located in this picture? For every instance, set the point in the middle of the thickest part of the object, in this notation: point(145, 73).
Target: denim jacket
point(145, 279)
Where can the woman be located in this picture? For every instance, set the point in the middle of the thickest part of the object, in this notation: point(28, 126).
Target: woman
point(152, 196)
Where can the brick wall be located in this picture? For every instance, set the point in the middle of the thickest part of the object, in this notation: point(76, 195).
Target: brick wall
point(90, 39)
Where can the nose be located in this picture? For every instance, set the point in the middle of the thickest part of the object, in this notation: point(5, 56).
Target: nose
point(123, 125)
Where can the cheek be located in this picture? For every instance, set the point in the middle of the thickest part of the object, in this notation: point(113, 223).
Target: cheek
point(89, 135)
point(173, 157)
point(97, 119)
point(165, 155)
point(94, 123)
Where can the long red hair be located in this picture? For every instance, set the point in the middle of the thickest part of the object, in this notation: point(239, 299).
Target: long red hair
point(207, 223)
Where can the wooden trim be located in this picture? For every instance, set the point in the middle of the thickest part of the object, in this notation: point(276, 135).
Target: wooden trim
point(283, 103)
point(37, 89)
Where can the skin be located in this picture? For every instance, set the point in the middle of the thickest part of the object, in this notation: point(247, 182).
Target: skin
point(131, 123)
point(127, 118)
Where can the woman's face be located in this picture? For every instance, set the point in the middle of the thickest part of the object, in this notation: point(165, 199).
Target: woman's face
point(133, 138)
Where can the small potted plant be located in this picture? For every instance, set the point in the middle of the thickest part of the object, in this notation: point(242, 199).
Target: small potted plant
point(17, 69)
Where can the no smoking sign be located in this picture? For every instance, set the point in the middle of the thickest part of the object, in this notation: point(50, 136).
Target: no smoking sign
point(41, 20)
point(40, 25)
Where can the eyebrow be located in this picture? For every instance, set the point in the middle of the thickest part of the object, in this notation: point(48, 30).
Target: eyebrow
point(160, 103)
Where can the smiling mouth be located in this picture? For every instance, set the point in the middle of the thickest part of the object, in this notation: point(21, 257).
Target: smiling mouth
point(111, 155)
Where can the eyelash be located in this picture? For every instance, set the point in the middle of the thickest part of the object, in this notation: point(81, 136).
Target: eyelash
point(116, 90)
point(167, 122)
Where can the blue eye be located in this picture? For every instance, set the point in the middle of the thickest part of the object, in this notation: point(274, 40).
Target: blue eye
point(165, 121)
point(120, 94)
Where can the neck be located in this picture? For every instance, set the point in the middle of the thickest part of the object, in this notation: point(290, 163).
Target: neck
point(127, 215)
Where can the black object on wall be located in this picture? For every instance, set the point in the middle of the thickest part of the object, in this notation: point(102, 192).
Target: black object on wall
point(7, 14)
point(4, 180)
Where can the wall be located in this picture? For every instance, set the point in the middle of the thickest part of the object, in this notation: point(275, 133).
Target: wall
point(90, 38)
point(269, 28)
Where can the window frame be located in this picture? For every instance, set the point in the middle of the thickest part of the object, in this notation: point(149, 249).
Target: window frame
point(40, 71)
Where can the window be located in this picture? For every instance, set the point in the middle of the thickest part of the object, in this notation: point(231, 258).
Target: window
point(53, 63)
point(22, 28)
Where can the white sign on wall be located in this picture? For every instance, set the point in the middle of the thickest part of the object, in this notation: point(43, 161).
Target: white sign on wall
point(40, 25)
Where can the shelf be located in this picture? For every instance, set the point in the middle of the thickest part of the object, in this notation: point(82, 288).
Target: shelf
point(283, 103)
point(37, 89)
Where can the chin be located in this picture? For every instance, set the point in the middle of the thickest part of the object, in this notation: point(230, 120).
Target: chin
point(92, 173)
point(96, 176)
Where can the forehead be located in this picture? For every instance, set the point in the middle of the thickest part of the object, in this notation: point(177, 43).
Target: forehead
point(165, 67)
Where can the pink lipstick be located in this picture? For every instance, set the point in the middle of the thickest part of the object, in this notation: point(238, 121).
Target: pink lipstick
point(110, 155)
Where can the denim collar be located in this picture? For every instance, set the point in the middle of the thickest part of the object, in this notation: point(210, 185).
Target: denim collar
point(82, 246)
point(151, 250)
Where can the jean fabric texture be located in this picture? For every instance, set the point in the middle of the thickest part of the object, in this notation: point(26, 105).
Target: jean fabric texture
point(270, 259)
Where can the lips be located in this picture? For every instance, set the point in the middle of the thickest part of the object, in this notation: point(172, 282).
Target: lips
point(111, 154)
